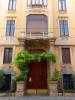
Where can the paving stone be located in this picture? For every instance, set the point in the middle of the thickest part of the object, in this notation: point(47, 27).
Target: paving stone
point(39, 97)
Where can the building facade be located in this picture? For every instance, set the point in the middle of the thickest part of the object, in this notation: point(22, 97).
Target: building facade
point(38, 26)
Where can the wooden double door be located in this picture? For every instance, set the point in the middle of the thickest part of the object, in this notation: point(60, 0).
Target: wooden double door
point(37, 78)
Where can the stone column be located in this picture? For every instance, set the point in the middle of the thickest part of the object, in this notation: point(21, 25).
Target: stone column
point(52, 85)
point(52, 67)
point(51, 47)
point(22, 47)
point(22, 44)
point(20, 84)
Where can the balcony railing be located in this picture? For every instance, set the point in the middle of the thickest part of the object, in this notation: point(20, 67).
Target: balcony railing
point(37, 6)
point(36, 35)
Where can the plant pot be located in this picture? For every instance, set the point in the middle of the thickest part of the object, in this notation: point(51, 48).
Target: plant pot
point(52, 87)
point(20, 88)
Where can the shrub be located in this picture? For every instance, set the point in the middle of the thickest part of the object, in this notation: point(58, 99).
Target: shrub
point(13, 85)
point(69, 91)
point(55, 77)
point(2, 81)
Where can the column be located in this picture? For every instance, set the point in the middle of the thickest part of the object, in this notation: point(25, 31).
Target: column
point(51, 47)
point(50, 19)
point(22, 47)
point(22, 44)
point(20, 84)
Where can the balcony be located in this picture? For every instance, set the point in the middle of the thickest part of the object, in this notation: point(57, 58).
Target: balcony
point(36, 4)
point(36, 35)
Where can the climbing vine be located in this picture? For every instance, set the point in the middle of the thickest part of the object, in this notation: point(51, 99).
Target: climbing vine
point(23, 59)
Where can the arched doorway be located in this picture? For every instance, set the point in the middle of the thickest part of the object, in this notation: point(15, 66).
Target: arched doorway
point(37, 77)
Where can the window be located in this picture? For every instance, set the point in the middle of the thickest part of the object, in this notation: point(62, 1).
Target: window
point(10, 27)
point(66, 56)
point(68, 81)
point(12, 5)
point(63, 27)
point(37, 24)
point(62, 5)
point(7, 82)
point(7, 56)
point(37, 2)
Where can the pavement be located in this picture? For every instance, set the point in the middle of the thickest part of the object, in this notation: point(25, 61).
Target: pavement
point(39, 97)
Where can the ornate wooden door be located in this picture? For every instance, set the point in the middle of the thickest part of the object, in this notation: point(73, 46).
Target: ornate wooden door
point(37, 78)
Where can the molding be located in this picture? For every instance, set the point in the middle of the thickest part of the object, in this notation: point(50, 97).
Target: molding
point(65, 41)
point(8, 41)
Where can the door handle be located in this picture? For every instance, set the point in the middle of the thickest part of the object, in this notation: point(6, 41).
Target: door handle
point(30, 79)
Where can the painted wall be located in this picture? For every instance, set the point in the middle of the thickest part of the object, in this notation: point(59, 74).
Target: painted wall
point(53, 26)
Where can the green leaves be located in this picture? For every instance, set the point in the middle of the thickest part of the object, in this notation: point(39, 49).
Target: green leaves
point(49, 56)
point(2, 80)
point(23, 59)
point(55, 77)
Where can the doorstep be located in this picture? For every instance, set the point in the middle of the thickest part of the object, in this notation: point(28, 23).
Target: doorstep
point(37, 91)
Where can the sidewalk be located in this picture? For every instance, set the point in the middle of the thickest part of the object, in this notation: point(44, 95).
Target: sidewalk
point(37, 98)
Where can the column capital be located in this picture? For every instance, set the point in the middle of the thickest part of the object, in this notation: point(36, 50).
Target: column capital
point(52, 41)
point(21, 41)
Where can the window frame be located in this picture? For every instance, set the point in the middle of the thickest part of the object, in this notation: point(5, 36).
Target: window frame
point(67, 62)
point(62, 5)
point(12, 5)
point(62, 23)
point(10, 27)
point(9, 59)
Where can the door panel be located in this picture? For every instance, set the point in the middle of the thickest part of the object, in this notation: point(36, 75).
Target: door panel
point(37, 78)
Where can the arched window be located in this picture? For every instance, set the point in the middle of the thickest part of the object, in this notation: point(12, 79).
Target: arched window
point(37, 23)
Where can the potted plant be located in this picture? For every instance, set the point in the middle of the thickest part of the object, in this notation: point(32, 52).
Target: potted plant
point(22, 60)
point(53, 83)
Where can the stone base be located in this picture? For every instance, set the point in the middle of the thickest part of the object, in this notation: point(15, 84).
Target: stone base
point(69, 94)
point(53, 91)
point(20, 88)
